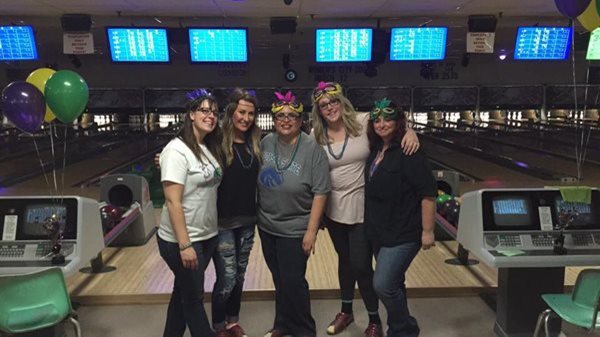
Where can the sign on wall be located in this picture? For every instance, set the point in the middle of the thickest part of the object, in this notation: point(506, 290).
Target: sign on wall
point(78, 43)
point(480, 43)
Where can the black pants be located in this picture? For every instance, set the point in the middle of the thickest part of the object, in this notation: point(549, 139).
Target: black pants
point(186, 307)
point(287, 262)
point(355, 261)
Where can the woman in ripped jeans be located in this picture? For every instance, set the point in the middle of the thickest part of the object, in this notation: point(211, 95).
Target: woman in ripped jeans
point(236, 204)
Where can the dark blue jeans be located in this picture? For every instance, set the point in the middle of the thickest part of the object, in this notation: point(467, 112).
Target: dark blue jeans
point(186, 307)
point(287, 262)
point(231, 260)
point(388, 281)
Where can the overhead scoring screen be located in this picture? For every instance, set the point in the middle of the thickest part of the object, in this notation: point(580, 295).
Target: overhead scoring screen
point(542, 43)
point(17, 43)
point(418, 43)
point(218, 45)
point(344, 45)
point(138, 44)
point(593, 51)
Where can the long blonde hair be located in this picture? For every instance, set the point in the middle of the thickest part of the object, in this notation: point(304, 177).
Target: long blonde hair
point(351, 123)
point(251, 136)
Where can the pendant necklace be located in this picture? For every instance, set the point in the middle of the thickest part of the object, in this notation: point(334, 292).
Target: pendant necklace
point(216, 169)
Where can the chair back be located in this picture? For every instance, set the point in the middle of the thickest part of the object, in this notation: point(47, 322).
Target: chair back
point(587, 288)
point(33, 301)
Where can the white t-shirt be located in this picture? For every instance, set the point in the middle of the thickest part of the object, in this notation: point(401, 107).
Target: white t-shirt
point(346, 202)
point(179, 165)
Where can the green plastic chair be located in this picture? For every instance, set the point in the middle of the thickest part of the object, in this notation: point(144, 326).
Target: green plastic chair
point(579, 308)
point(34, 301)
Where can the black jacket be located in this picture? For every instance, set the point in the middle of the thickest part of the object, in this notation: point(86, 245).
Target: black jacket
point(393, 196)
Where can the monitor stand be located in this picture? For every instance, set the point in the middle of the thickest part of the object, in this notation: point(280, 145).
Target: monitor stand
point(519, 300)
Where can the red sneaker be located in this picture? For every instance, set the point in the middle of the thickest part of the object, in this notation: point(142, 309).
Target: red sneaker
point(339, 324)
point(275, 333)
point(222, 332)
point(236, 331)
point(374, 330)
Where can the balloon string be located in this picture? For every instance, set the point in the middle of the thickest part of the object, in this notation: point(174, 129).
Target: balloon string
point(37, 150)
point(53, 159)
point(577, 163)
point(62, 182)
point(585, 142)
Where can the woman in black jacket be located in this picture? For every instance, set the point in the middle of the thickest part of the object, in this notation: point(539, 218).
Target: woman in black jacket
point(400, 195)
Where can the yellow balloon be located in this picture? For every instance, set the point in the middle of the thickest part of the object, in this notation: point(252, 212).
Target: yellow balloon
point(38, 78)
point(49, 116)
point(590, 19)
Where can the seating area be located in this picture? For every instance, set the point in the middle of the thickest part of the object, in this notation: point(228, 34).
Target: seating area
point(35, 301)
point(580, 307)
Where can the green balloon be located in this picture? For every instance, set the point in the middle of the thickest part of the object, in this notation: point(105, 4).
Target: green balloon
point(67, 95)
point(443, 198)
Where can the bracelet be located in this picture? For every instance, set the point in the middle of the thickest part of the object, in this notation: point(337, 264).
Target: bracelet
point(184, 246)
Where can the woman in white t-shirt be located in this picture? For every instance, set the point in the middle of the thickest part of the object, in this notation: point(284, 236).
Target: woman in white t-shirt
point(187, 235)
point(342, 132)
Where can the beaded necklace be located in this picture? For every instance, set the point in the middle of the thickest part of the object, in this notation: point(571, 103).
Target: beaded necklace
point(330, 150)
point(244, 166)
point(281, 169)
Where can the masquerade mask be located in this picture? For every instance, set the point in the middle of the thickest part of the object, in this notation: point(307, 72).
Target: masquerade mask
point(382, 108)
point(288, 99)
point(198, 93)
point(326, 88)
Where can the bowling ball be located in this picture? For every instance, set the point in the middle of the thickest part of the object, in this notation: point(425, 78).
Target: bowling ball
point(107, 221)
point(450, 211)
point(441, 199)
point(458, 200)
point(111, 216)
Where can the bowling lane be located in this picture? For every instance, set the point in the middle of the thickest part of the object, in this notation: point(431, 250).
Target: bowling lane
point(26, 167)
point(525, 158)
point(491, 175)
point(22, 144)
point(561, 144)
point(76, 148)
point(553, 129)
point(84, 169)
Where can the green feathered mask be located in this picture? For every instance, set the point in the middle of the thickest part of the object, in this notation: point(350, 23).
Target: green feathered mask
point(382, 108)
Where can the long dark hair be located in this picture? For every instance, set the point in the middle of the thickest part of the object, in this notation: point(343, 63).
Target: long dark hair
point(211, 140)
point(252, 135)
point(375, 142)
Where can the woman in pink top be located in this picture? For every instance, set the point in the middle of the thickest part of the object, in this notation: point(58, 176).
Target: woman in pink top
point(343, 134)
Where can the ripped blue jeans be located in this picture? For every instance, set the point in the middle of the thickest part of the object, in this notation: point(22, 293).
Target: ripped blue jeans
point(231, 261)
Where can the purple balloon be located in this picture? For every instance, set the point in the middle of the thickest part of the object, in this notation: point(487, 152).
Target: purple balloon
point(23, 104)
point(572, 8)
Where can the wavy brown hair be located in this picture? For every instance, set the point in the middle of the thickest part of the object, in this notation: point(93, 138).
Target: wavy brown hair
point(211, 140)
point(375, 141)
point(251, 136)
